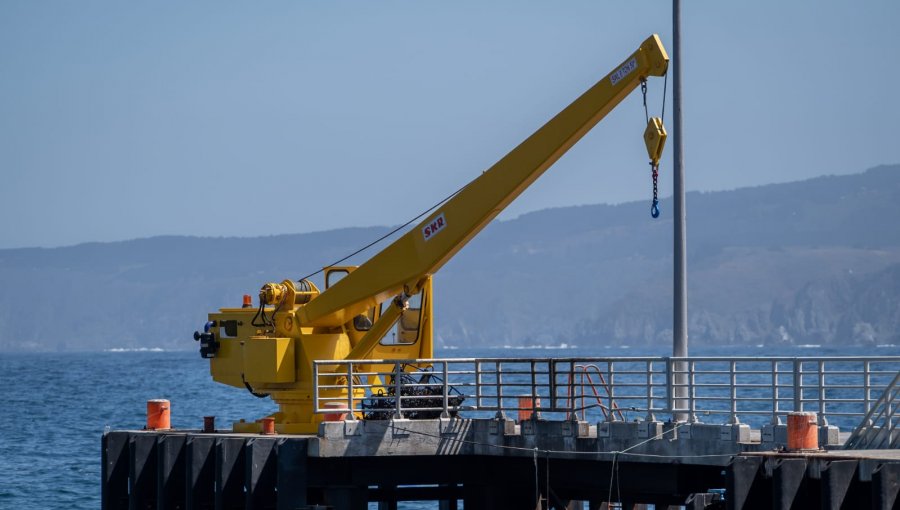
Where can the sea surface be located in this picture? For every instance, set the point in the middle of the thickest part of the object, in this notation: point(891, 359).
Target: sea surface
point(57, 405)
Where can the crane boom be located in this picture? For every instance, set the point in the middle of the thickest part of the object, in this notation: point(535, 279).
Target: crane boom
point(403, 265)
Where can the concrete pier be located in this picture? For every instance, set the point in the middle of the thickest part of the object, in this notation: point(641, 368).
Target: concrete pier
point(489, 463)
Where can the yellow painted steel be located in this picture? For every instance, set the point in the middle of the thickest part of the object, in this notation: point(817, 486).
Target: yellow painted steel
point(269, 360)
point(347, 320)
point(655, 139)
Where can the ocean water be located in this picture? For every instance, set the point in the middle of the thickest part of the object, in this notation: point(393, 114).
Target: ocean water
point(56, 407)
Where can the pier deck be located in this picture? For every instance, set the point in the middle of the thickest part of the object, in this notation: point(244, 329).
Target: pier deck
point(488, 463)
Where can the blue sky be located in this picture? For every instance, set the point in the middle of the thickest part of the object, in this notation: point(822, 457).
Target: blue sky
point(121, 120)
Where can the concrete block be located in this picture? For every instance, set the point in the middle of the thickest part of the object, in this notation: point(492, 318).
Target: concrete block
point(829, 435)
point(682, 431)
point(678, 430)
point(603, 429)
point(400, 427)
point(557, 429)
point(353, 428)
point(774, 435)
point(617, 430)
point(649, 429)
point(528, 427)
point(502, 426)
point(704, 431)
point(725, 433)
point(331, 430)
point(582, 429)
point(736, 433)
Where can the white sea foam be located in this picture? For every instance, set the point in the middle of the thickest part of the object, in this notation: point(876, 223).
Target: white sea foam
point(535, 346)
point(135, 349)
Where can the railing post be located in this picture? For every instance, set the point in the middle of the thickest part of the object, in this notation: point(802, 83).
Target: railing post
point(315, 387)
point(350, 415)
point(573, 414)
point(500, 413)
point(534, 388)
point(867, 387)
point(610, 391)
point(477, 385)
point(692, 391)
point(822, 420)
point(670, 400)
point(775, 419)
point(798, 385)
point(551, 367)
point(681, 388)
point(398, 392)
point(445, 413)
point(581, 375)
point(732, 372)
point(650, 416)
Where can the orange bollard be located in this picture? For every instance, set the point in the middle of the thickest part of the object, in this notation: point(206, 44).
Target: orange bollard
point(158, 414)
point(333, 416)
point(802, 431)
point(268, 426)
point(525, 410)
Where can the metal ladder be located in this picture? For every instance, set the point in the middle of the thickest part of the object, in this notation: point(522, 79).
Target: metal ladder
point(585, 381)
point(876, 430)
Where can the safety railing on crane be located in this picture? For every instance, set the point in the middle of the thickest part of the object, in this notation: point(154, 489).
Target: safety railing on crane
point(755, 390)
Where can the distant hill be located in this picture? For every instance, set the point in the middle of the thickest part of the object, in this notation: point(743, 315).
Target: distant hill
point(815, 261)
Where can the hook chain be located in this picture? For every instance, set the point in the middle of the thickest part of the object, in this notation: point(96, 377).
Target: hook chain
point(654, 168)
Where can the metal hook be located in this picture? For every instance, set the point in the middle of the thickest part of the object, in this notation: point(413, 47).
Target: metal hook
point(654, 209)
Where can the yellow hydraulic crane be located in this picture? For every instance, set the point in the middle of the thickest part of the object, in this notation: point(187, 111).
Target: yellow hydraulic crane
point(270, 348)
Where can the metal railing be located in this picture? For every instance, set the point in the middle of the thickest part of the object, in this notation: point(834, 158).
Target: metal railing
point(755, 390)
point(878, 428)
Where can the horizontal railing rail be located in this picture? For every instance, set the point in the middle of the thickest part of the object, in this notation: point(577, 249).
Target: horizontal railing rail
point(755, 390)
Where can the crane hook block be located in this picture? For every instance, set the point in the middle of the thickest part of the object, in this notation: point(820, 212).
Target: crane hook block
point(655, 139)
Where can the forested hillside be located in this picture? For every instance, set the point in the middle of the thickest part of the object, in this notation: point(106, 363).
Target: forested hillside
point(816, 261)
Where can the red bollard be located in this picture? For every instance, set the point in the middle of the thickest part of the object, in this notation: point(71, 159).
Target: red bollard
point(803, 431)
point(158, 414)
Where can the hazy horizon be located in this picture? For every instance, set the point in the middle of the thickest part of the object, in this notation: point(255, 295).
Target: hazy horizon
point(502, 218)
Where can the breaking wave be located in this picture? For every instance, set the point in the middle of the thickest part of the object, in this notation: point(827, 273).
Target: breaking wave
point(135, 349)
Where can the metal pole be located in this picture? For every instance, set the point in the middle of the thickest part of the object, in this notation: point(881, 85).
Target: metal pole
point(680, 340)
